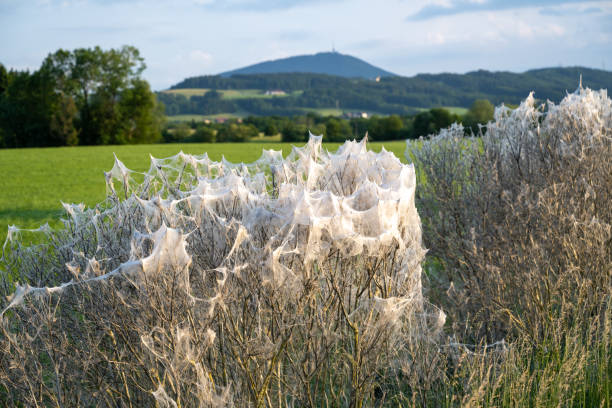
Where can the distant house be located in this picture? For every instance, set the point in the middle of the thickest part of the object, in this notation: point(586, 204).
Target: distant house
point(275, 92)
point(355, 115)
point(220, 120)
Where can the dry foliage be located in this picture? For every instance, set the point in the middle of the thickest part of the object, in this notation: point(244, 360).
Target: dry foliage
point(291, 282)
point(519, 227)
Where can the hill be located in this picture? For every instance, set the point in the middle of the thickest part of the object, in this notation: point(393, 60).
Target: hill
point(329, 63)
point(390, 95)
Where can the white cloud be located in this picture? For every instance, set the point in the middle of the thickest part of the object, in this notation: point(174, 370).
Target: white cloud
point(201, 58)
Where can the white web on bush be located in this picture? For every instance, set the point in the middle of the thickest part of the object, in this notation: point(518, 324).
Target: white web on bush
point(355, 200)
point(314, 218)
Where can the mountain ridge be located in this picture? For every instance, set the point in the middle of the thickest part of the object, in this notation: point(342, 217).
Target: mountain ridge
point(328, 63)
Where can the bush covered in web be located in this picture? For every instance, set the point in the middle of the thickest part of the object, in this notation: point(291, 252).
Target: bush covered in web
point(519, 220)
point(290, 281)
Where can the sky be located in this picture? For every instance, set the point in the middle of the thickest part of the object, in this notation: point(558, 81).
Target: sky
point(183, 38)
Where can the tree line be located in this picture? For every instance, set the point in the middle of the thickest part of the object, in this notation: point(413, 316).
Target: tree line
point(87, 96)
point(333, 129)
point(91, 96)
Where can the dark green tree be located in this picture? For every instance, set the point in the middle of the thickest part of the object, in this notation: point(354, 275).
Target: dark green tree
point(33, 113)
point(140, 117)
point(293, 132)
point(237, 132)
point(423, 124)
point(114, 104)
point(392, 125)
point(480, 113)
point(204, 134)
point(432, 121)
point(270, 129)
point(337, 130)
point(3, 79)
point(181, 132)
point(442, 118)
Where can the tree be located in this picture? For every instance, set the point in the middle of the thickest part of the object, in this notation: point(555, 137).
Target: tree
point(442, 118)
point(141, 118)
point(204, 134)
point(270, 129)
point(32, 113)
point(430, 122)
point(114, 104)
point(62, 121)
point(481, 112)
point(294, 132)
point(181, 132)
point(3, 79)
point(237, 132)
point(423, 124)
point(337, 130)
point(392, 125)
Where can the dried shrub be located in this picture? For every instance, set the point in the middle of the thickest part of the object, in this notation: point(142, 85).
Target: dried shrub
point(285, 282)
point(518, 223)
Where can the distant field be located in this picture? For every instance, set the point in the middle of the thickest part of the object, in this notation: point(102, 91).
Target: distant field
point(339, 112)
point(235, 115)
point(230, 93)
point(253, 93)
point(187, 92)
point(35, 181)
point(199, 118)
point(457, 110)
point(325, 111)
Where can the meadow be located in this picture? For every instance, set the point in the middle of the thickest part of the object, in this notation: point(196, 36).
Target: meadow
point(230, 93)
point(35, 181)
point(200, 118)
point(243, 114)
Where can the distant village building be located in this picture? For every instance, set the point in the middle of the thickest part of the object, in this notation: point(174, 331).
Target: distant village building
point(355, 115)
point(275, 92)
point(377, 79)
point(220, 120)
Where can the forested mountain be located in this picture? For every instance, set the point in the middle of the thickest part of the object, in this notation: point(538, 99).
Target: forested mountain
point(395, 94)
point(330, 63)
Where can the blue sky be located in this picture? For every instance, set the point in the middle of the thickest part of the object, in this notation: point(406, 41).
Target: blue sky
point(181, 38)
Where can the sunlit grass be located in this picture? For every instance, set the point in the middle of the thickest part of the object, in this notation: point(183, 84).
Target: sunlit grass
point(35, 181)
point(230, 93)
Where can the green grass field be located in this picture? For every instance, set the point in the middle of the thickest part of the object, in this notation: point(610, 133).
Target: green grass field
point(236, 115)
point(325, 111)
point(187, 92)
point(35, 181)
point(455, 110)
point(199, 118)
point(229, 93)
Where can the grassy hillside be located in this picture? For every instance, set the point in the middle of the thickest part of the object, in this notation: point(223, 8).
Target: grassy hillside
point(190, 117)
point(36, 181)
point(390, 95)
point(230, 93)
